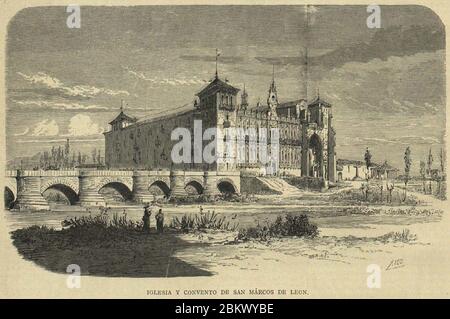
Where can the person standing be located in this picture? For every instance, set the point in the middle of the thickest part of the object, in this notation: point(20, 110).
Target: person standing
point(146, 218)
point(159, 221)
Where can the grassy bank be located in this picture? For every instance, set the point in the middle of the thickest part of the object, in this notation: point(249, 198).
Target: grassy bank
point(105, 245)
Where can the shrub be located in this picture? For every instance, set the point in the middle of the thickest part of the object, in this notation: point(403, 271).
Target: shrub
point(202, 221)
point(375, 197)
point(288, 226)
point(102, 220)
point(405, 236)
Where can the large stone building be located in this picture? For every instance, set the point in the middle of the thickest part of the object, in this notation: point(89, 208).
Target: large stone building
point(306, 135)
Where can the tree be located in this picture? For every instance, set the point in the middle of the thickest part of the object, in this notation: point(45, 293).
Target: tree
point(441, 176)
point(390, 187)
point(67, 154)
point(60, 157)
point(408, 162)
point(53, 159)
point(94, 155)
point(430, 164)
point(423, 173)
point(74, 159)
point(368, 160)
point(99, 158)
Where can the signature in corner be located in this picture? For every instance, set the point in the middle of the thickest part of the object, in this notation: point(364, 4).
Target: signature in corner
point(395, 264)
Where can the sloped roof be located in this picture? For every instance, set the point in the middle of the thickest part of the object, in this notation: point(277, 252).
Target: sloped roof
point(290, 103)
point(349, 162)
point(122, 117)
point(318, 100)
point(386, 167)
point(218, 85)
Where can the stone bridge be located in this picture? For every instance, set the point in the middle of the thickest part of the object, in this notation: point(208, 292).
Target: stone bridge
point(25, 188)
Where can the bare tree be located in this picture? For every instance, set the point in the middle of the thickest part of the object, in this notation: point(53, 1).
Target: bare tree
point(423, 173)
point(94, 155)
point(368, 160)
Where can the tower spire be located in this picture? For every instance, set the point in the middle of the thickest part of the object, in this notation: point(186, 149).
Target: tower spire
point(217, 58)
point(244, 96)
point(273, 73)
point(121, 105)
point(272, 99)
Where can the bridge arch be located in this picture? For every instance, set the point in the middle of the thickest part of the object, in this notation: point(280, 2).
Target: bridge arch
point(118, 187)
point(158, 186)
point(226, 186)
point(194, 187)
point(53, 192)
point(315, 156)
point(9, 197)
point(70, 182)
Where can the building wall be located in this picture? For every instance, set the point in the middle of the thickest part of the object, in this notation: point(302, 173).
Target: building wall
point(352, 172)
point(145, 145)
point(148, 145)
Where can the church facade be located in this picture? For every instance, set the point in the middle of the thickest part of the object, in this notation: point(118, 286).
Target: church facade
point(306, 136)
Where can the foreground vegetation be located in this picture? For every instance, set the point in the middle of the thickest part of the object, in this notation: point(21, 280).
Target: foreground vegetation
point(375, 195)
point(288, 226)
point(202, 221)
point(104, 245)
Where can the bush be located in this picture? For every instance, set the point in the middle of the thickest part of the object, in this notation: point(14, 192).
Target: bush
point(289, 226)
point(405, 236)
point(374, 197)
point(202, 221)
point(103, 220)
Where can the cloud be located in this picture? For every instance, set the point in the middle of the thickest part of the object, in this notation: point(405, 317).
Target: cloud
point(82, 125)
point(394, 41)
point(58, 105)
point(310, 13)
point(388, 87)
point(46, 128)
point(310, 9)
point(397, 140)
point(62, 140)
point(283, 60)
point(23, 133)
point(212, 58)
point(165, 81)
point(55, 84)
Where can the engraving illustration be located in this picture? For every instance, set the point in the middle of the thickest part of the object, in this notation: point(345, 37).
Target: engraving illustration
point(284, 142)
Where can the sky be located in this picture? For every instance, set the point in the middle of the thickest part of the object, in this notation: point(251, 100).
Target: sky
point(386, 86)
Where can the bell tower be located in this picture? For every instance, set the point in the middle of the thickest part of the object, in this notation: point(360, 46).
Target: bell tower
point(272, 99)
point(244, 99)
